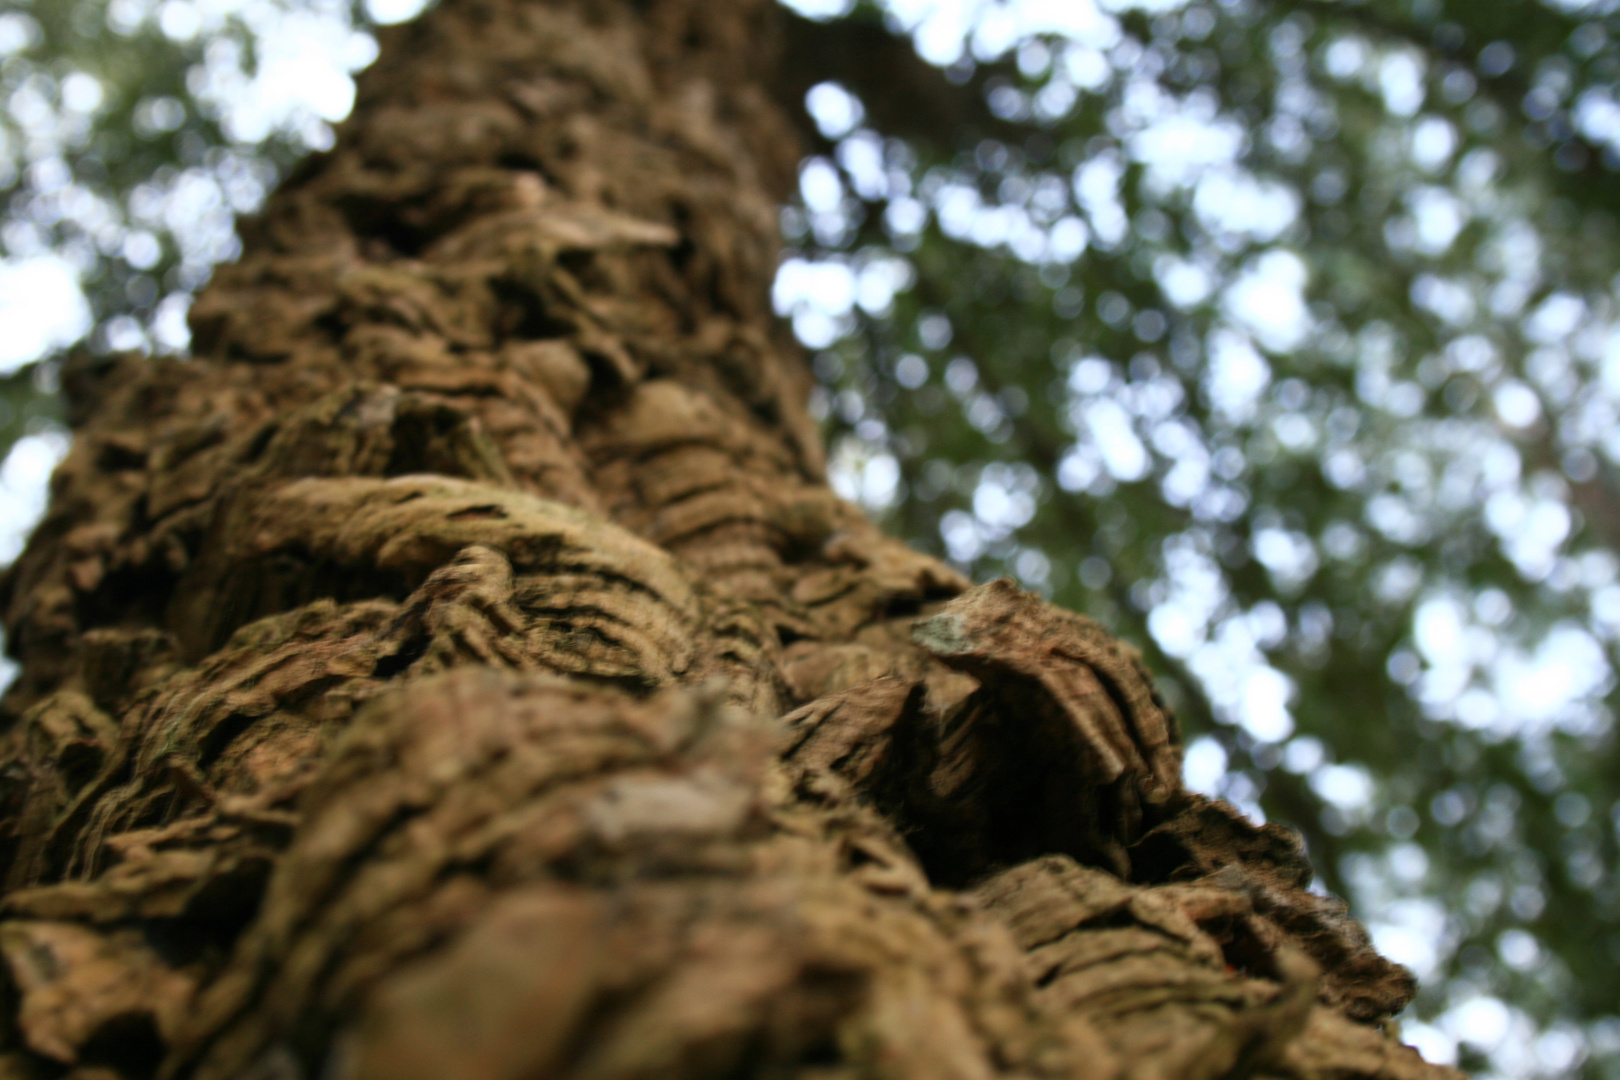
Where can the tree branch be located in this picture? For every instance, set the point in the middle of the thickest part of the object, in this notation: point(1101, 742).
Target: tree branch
point(904, 95)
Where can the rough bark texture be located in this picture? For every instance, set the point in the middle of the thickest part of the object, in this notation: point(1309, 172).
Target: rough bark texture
point(461, 669)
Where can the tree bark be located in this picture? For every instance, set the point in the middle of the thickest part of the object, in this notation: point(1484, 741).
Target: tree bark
point(461, 669)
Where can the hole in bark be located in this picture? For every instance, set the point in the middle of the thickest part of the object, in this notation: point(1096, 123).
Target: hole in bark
point(78, 764)
point(680, 256)
point(910, 607)
point(431, 438)
point(128, 1044)
point(224, 733)
point(384, 222)
point(578, 263)
point(903, 608)
point(9, 846)
point(997, 782)
point(261, 440)
point(856, 857)
point(607, 387)
point(1240, 948)
point(279, 582)
point(409, 653)
point(215, 917)
point(129, 595)
point(523, 314)
point(825, 1053)
point(117, 457)
point(9, 1000)
point(520, 162)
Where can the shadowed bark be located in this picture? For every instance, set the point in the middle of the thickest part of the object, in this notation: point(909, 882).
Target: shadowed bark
point(460, 668)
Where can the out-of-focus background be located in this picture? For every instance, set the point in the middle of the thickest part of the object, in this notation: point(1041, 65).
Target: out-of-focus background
point(1282, 337)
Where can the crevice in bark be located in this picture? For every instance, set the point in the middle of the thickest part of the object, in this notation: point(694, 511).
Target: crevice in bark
point(129, 1043)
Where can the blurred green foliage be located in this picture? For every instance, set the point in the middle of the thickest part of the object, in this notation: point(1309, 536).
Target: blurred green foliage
point(1322, 414)
point(1283, 337)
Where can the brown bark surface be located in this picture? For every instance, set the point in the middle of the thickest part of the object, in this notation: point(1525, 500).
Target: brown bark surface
point(461, 669)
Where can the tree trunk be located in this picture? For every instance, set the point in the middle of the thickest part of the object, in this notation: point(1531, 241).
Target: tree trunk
point(460, 669)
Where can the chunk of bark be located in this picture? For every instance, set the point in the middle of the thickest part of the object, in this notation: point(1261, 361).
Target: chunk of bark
point(460, 667)
point(77, 985)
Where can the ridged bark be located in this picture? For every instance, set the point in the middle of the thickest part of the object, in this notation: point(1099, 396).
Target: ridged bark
point(461, 669)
